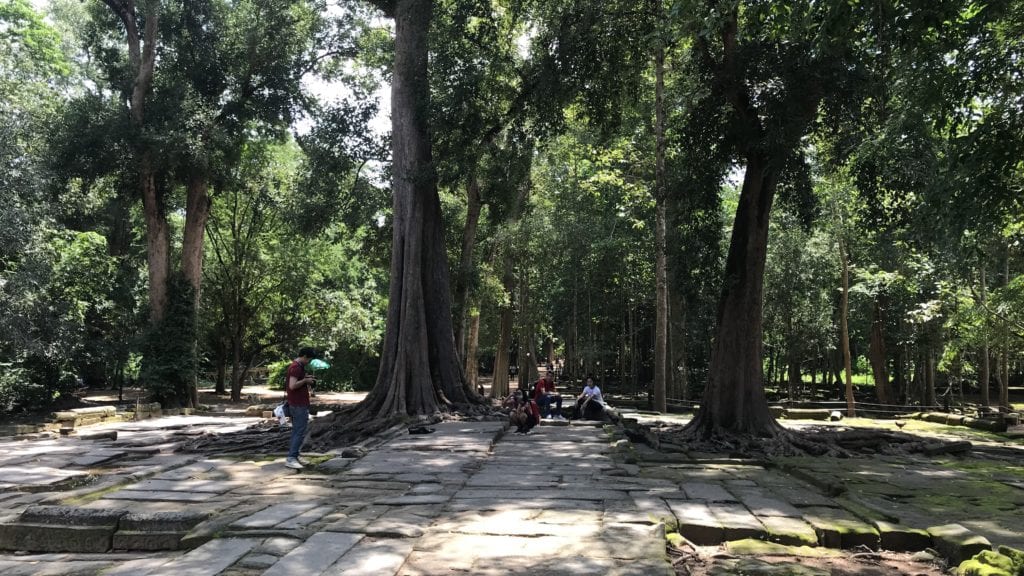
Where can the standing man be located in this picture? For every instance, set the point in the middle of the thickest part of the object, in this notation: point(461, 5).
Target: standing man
point(545, 395)
point(297, 390)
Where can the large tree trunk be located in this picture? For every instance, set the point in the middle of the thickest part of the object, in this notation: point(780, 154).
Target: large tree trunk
point(734, 401)
point(466, 262)
point(197, 210)
point(419, 372)
point(876, 351)
point(661, 265)
point(158, 239)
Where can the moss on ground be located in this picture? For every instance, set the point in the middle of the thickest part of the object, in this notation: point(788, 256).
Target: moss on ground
point(1006, 562)
point(752, 547)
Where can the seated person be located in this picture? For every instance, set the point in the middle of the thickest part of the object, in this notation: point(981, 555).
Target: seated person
point(545, 394)
point(525, 416)
point(590, 402)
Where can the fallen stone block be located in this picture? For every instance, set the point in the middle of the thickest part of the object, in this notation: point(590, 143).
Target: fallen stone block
point(838, 529)
point(70, 516)
point(160, 521)
point(901, 538)
point(149, 541)
point(50, 538)
point(957, 543)
point(789, 531)
point(696, 523)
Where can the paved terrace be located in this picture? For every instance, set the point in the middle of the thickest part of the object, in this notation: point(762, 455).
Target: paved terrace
point(467, 499)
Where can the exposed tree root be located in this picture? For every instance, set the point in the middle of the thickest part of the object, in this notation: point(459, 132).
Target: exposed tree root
point(810, 442)
point(351, 425)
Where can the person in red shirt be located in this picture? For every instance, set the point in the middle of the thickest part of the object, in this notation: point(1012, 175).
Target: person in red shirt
point(545, 395)
point(525, 416)
point(297, 389)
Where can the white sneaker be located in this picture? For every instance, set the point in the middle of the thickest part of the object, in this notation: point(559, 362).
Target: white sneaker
point(293, 464)
point(559, 417)
point(302, 461)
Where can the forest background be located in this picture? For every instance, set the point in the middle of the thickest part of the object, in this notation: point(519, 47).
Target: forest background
point(189, 190)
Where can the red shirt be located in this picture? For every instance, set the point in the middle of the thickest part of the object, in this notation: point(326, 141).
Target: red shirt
point(300, 395)
point(543, 387)
point(531, 408)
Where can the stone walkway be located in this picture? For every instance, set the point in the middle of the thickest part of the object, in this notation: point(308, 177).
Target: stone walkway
point(469, 498)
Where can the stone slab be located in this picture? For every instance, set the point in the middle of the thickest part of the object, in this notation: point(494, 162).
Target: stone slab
point(52, 538)
point(161, 495)
point(315, 555)
point(902, 538)
point(132, 540)
point(697, 523)
point(306, 518)
point(789, 531)
point(37, 475)
point(372, 558)
point(214, 486)
point(738, 522)
point(274, 515)
point(707, 491)
point(161, 521)
point(413, 499)
point(70, 516)
point(957, 543)
point(762, 505)
point(839, 529)
point(209, 559)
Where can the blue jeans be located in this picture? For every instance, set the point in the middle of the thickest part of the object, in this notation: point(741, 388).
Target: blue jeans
point(545, 402)
point(300, 420)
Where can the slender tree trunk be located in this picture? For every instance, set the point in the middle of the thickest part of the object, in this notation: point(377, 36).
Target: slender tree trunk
point(661, 265)
point(1004, 361)
point(420, 371)
point(845, 329)
point(500, 386)
point(734, 401)
point(466, 262)
point(471, 347)
point(929, 368)
point(876, 351)
point(984, 377)
point(678, 342)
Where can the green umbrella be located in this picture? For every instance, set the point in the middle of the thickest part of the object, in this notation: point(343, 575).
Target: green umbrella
point(318, 364)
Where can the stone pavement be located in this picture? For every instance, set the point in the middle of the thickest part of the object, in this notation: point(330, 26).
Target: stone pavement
point(470, 498)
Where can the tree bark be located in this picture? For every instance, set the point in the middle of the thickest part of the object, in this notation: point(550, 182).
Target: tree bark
point(984, 376)
point(419, 372)
point(473, 206)
point(844, 314)
point(472, 367)
point(197, 211)
point(158, 239)
point(500, 385)
point(734, 401)
point(1004, 379)
point(661, 262)
point(877, 353)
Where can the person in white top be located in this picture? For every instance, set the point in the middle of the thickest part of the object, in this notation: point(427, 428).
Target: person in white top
point(591, 394)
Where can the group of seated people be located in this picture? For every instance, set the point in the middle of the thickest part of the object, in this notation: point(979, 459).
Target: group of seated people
point(528, 409)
